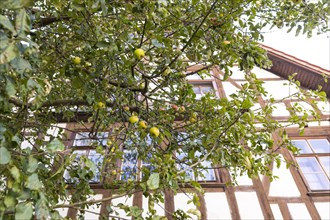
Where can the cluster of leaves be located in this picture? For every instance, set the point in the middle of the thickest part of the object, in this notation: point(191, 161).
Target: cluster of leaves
point(60, 59)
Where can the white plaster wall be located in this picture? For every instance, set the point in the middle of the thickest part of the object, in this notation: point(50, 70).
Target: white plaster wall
point(159, 207)
point(217, 206)
point(124, 200)
point(248, 205)
point(323, 209)
point(298, 211)
point(93, 208)
point(285, 185)
point(276, 211)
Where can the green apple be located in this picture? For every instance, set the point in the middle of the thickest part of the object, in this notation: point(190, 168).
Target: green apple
point(154, 131)
point(139, 53)
point(113, 172)
point(76, 60)
point(133, 119)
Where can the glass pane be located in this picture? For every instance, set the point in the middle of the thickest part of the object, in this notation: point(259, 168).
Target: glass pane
point(75, 165)
point(182, 165)
point(207, 89)
point(317, 181)
point(309, 165)
point(320, 145)
point(146, 163)
point(84, 139)
point(102, 138)
point(129, 165)
point(302, 145)
point(97, 159)
point(316, 178)
point(207, 173)
point(326, 164)
point(197, 90)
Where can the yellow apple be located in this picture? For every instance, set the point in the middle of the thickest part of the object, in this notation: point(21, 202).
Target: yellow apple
point(192, 119)
point(100, 105)
point(113, 172)
point(182, 109)
point(133, 119)
point(76, 60)
point(166, 71)
point(142, 124)
point(154, 132)
point(126, 108)
point(139, 53)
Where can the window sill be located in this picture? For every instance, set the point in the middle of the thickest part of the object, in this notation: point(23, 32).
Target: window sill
point(319, 193)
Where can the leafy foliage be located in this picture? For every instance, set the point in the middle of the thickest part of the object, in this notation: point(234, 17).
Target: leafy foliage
point(61, 58)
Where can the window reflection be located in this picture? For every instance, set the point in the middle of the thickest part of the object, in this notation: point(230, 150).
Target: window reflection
point(129, 165)
point(314, 162)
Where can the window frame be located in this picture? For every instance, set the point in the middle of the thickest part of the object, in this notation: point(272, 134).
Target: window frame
point(316, 156)
point(206, 82)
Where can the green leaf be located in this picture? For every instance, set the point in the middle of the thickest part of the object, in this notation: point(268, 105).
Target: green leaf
point(4, 156)
point(5, 22)
point(10, 88)
point(153, 181)
point(135, 211)
point(10, 201)
point(247, 103)
point(21, 65)
point(55, 145)
point(22, 22)
point(33, 182)
point(195, 212)
point(23, 211)
point(33, 164)
point(15, 173)
point(14, 4)
point(8, 54)
point(42, 211)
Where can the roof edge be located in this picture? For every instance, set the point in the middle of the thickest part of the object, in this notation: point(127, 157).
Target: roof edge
point(295, 60)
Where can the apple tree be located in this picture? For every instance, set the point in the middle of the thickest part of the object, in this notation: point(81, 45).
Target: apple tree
point(121, 65)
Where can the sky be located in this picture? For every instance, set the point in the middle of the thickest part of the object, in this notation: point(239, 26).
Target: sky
point(315, 50)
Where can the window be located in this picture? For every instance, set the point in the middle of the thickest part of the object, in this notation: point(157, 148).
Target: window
point(86, 139)
point(206, 172)
point(129, 165)
point(202, 89)
point(86, 155)
point(314, 162)
point(90, 158)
